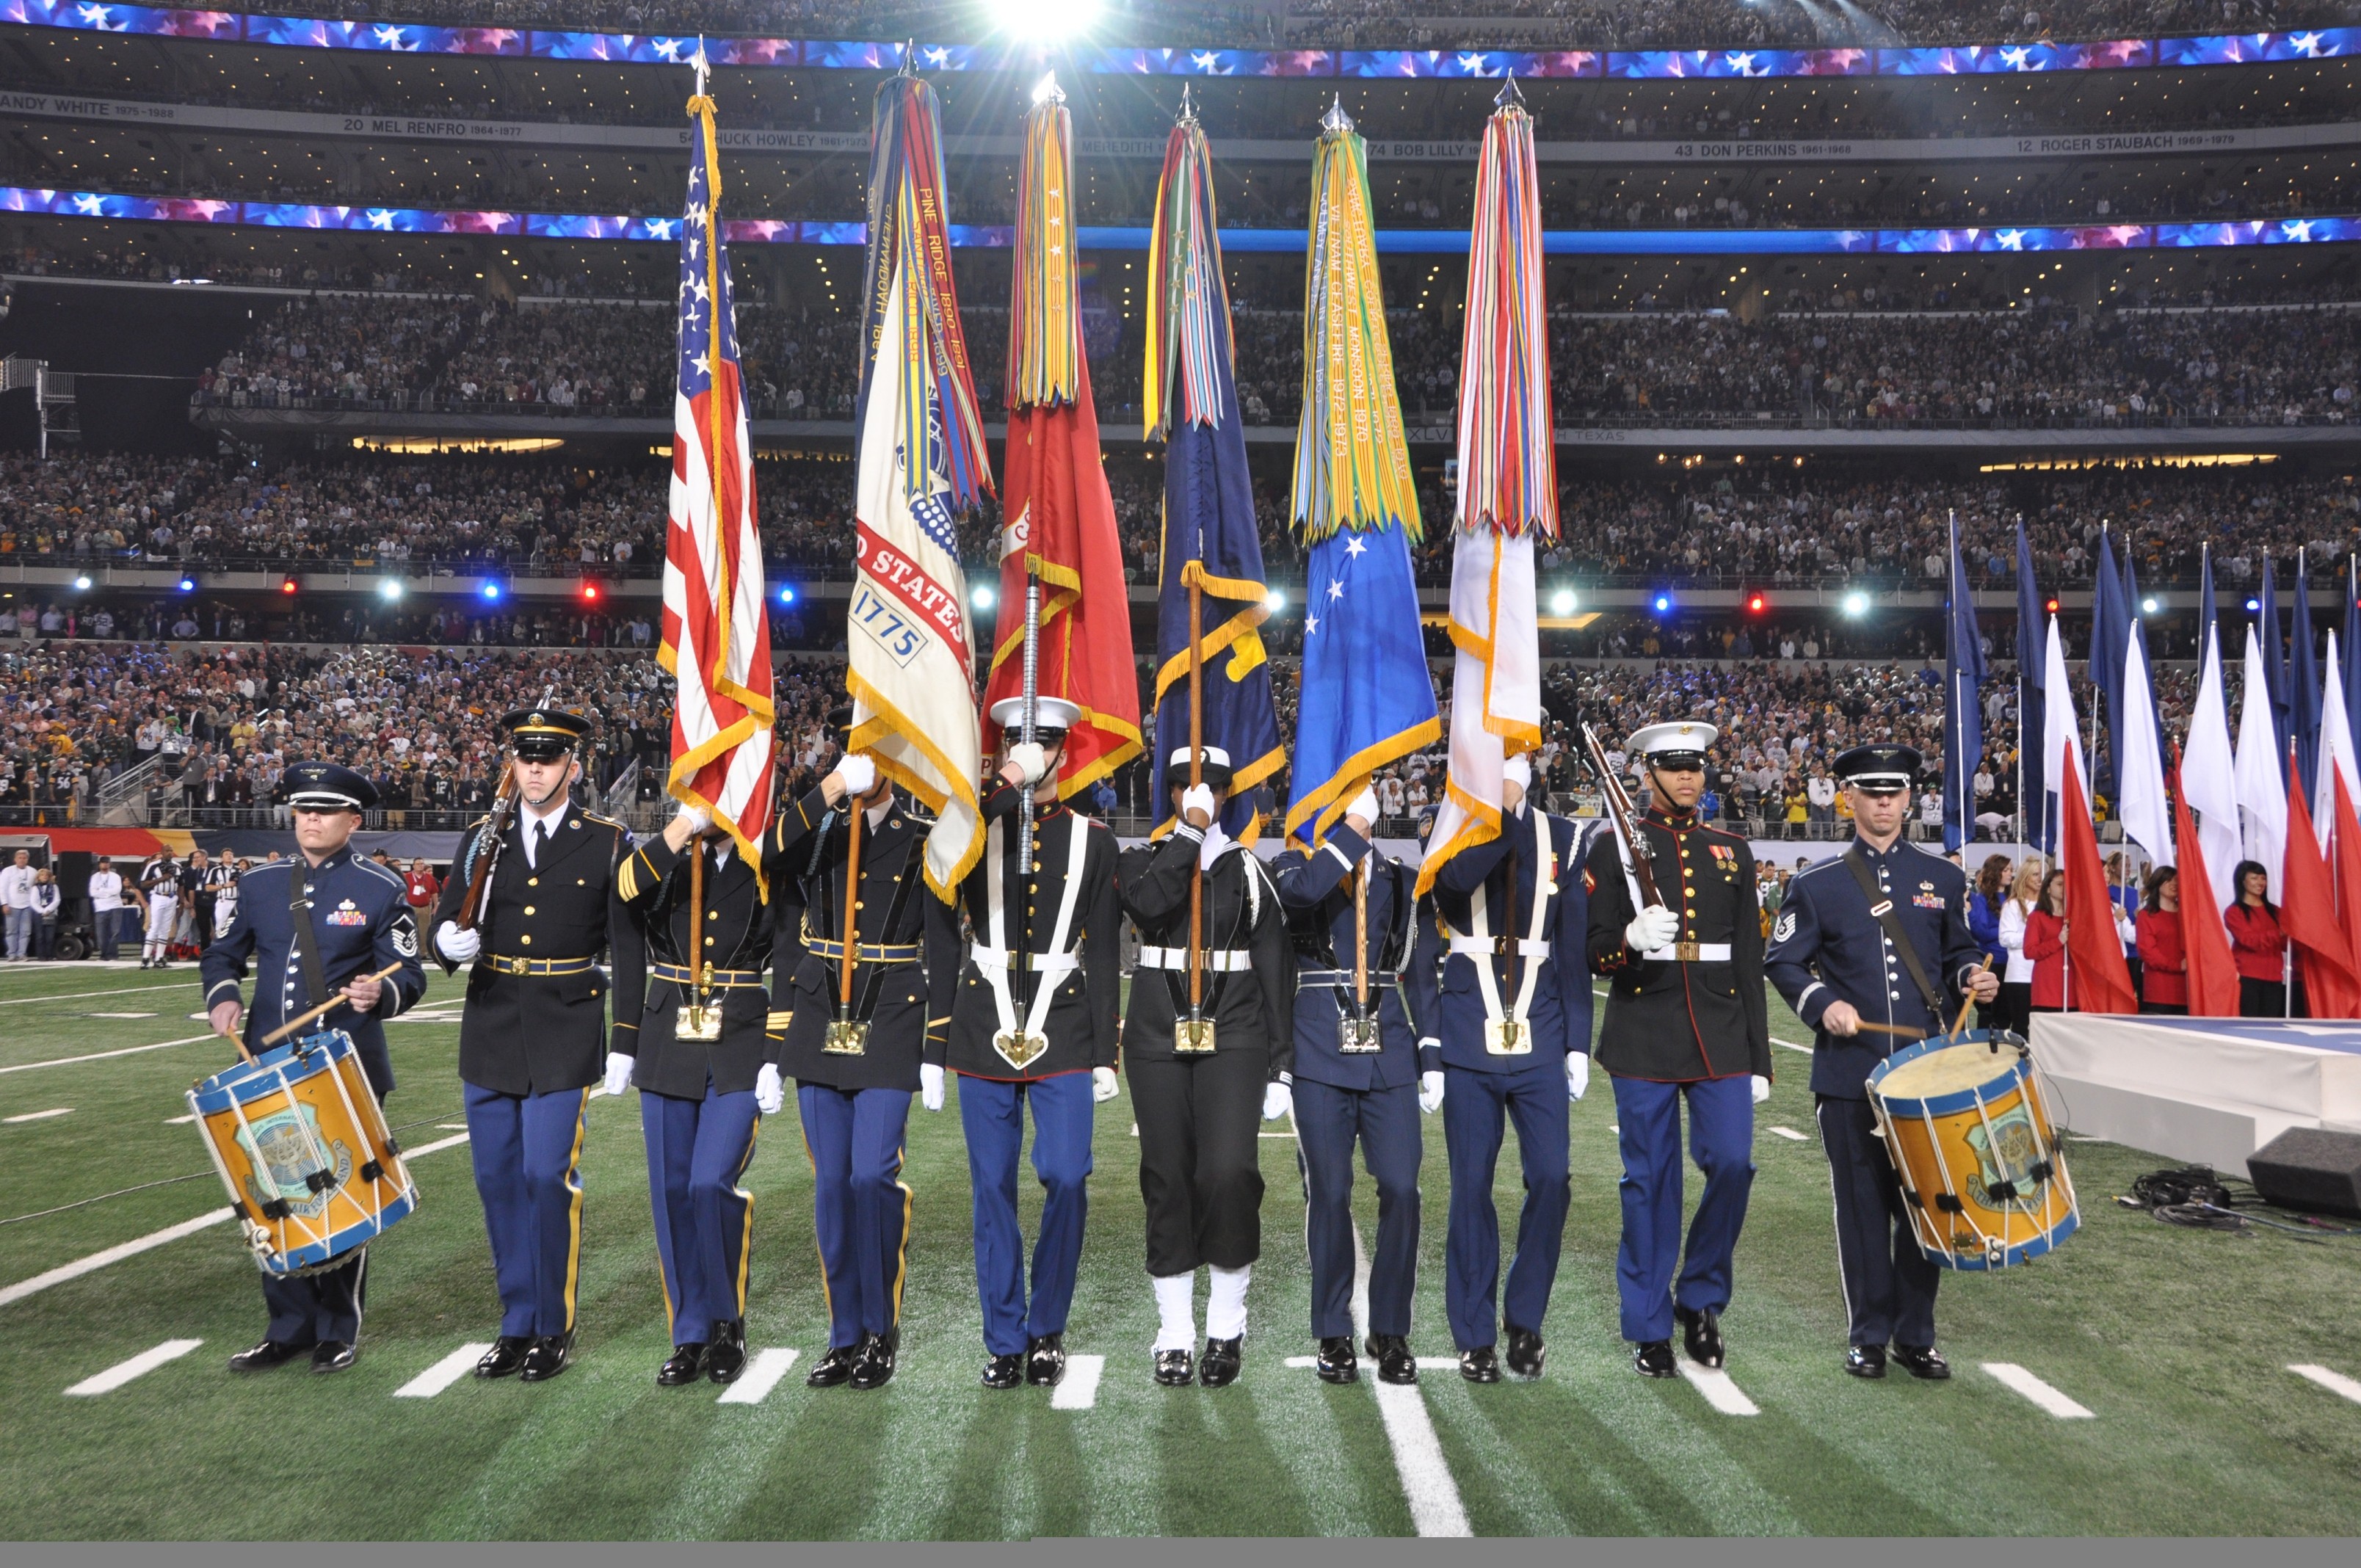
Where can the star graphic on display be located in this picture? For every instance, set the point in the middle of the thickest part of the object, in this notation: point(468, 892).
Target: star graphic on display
point(2010, 239)
point(95, 16)
point(1473, 64)
point(1205, 61)
point(89, 206)
point(1355, 545)
point(668, 49)
point(661, 228)
point(2017, 58)
point(2306, 45)
point(937, 56)
point(1742, 64)
point(2298, 230)
point(388, 37)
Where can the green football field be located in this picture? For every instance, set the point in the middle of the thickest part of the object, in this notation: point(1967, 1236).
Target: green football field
point(2175, 1343)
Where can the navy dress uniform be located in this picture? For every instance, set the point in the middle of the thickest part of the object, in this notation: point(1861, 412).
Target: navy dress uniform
point(692, 1014)
point(1686, 1019)
point(1355, 1082)
point(1032, 1023)
point(532, 1038)
point(1199, 1163)
point(1501, 994)
point(854, 1075)
point(1829, 944)
point(310, 928)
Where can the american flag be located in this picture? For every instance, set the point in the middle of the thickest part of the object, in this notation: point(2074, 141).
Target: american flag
point(717, 641)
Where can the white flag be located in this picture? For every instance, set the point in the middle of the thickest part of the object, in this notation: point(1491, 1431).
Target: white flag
point(2061, 745)
point(2261, 773)
point(2147, 813)
point(2208, 776)
point(1496, 686)
point(2335, 751)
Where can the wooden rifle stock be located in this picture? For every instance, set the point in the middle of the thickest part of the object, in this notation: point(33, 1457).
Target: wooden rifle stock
point(1618, 807)
point(488, 848)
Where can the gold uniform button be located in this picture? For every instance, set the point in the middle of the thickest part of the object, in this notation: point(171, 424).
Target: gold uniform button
point(709, 941)
point(858, 904)
point(528, 909)
point(527, 940)
point(713, 914)
point(532, 882)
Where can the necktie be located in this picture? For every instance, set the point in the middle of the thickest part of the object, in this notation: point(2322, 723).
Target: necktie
point(539, 842)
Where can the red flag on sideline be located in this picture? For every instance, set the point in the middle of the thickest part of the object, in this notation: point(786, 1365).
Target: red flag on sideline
point(2098, 980)
point(2212, 970)
point(2345, 863)
point(2323, 953)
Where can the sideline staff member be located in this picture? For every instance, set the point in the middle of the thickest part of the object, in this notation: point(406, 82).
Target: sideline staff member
point(316, 927)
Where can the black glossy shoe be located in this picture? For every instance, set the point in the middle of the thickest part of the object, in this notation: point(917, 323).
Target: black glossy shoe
point(1337, 1363)
point(1218, 1367)
point(1004, 1371)
point(1045, 1360)
point(268, 1354)
point(1396, 1365)
point(1654, 1359)
point(1701, 1336)
point(1479, 1365)
point(725, 1356)
point(333, 1355)
point(1922, 1362)
point(1175, 1368)
point(1866, 1361)
point(875, 1369)
point(505, 1357)
point(835, 1369)
point(550, 1355)
point(1525, 1352)
point(684, 1365)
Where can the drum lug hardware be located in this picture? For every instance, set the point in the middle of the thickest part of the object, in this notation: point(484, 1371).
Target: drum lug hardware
point(1950, 1204)
point(392, 1145)
point(2038, 1171)
point(372, 1172)
point(276, 1208)
point(320, 1181)
point(2003, 1190)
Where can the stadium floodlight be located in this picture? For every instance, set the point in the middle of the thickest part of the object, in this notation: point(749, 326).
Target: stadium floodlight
point(1032, 20)
point(1275, 601)
point(2252, 605)
point(1663, 604)
point(2150, 605)
point(491, 591)
point(786, 593)
point(83, 583)
point(1856, 604)
point(188, 585)
point(982, 596)
point(1562, 602)
point(389, 589)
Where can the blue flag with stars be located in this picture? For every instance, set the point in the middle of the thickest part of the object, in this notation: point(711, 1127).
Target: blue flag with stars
point(1366, 698)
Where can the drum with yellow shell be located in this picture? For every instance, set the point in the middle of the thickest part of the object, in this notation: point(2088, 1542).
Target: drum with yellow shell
point(1981, 1168)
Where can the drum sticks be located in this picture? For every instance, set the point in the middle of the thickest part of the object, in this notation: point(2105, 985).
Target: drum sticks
point(301, 1019)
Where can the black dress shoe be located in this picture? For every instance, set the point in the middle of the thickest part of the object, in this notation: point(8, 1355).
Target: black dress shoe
point(332, 1355)
point(1004, 1371)
point(1396, 1365)
point(269, 1353)
point(549, 1355)
point(1525, 1352)
point(1701, 1336)
point(505, 1357)
point(1336, 1362)
point(1654, 1359)
point(1479, 1365)
point(684, 1365)
point(835, 1368)
point(1045, 1360)
point(725, 1357)
point(1866, 1361)
point(1218, 1367)
point(874, 1367)
point(1175, 1368)
point(1923, 1361)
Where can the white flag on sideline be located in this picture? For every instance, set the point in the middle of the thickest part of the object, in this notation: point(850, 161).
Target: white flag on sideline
point(2209, 776)
point(2261, 771)
point(2145, 811)
point(1496, 686)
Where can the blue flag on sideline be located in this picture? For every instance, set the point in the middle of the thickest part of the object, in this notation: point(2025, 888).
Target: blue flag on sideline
point(2303, 687)
point(2110, 639)
point(1368, 697)
point(1963, 726)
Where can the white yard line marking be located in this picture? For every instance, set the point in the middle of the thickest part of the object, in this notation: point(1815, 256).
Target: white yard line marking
point(1438, 1364)
point(102, 1055)
point(442, 1374)
point(139, 1366)
point(180, 1120)
point(754, 1384)
point(1791, 1044)
point(98, 1260)
point(1789, 1133)
point(450, 1127)
point(1434, 1506)
point(1079, 1390)
point(1719, 1390)
point(121, 1015)
point(38, 1115)
point(1302, 1363)
point(78, 995)
point(2334, 1382)
point(2023, 1382)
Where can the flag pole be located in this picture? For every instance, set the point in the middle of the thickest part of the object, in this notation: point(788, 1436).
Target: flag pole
point(1196, 777)
point(1029, 979)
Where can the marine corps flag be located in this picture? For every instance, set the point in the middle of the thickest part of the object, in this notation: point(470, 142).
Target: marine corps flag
point(717, 636)
point(1060, 528)
point(921, 460)
point(1507, 491)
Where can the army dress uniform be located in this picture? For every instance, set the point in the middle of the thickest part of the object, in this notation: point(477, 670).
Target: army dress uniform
point(1199, 1112)
point(698, 1111)
point(1044, 974)
point(1829, 945)
point(855, 1103)
point(353, 917)
point(1501, 940)
point(532, 1036)
point(1351, 1090)
point(1688, 1022)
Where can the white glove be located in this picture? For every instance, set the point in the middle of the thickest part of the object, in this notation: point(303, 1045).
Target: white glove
point(696, 816)
point(1578, 1074)
point(1199, 797)
point(1761, 1089)
point(930, 1086)
point(858, 774)
point(1101, 1085)
point(1030, 760)
point(1652, 930)
point(1430, 1091)
point(1364, 806)
point(459, 946)
point(770, 1093)
point(1518, 770)
point(618, 1072)
point(1277, 1102)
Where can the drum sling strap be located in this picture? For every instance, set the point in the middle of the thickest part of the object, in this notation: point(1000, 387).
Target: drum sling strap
point(315, 991)
point(1881, 906)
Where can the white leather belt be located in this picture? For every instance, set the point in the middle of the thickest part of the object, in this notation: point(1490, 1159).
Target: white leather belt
point(1690, 953)
point(1489, 947)
point(1221, 960)
point(1000, 959)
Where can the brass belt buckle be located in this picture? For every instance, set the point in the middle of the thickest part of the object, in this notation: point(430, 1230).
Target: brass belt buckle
point(1020, 1048)
point(846, 1038)
point(1359, 1036)
point(1192, 1036)
point(1685, 952)
point(700, 1016)
point(1507, 1037)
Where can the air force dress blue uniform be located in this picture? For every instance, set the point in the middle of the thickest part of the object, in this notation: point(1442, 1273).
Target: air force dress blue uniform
point(1827, 946)
point(1501, 941)
point(1342, 1097)
point(357, 920)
